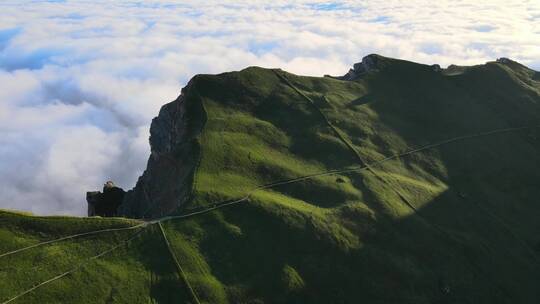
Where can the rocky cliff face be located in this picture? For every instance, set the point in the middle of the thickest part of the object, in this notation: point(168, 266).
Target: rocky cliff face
point(166, 183)
point(369, 63)
point(105, 203)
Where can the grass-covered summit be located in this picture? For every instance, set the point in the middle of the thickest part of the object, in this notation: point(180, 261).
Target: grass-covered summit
point(400, 184)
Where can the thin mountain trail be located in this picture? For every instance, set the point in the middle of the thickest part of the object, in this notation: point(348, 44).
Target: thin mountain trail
point(73, 236)
point(181, 272)
point(74, 269)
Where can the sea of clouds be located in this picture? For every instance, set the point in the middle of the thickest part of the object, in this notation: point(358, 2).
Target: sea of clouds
point(80, 81)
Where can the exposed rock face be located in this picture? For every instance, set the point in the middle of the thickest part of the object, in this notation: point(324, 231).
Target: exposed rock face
point(369, 63)
point(436, 68)
point(105, 203)
point(504, 60)
point(167, 181)
point(92, 198)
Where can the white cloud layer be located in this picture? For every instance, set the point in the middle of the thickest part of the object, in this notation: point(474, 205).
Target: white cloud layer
point(81, 80)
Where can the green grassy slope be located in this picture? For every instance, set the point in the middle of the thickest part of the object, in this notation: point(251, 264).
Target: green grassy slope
point(138, 271)
point(456, 223)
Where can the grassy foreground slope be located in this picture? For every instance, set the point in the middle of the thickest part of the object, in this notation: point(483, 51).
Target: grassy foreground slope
point(456, 223)
point(138, 271)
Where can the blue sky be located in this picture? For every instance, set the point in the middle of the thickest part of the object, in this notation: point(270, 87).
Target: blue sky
point(81, 80)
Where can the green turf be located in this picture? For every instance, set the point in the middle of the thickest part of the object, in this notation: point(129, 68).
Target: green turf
point(136, 272)
point(454, 224)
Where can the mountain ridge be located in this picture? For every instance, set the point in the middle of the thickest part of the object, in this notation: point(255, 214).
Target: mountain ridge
point(370, 63)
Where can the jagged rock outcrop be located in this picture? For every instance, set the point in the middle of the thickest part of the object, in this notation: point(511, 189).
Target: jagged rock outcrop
point(504, 60)
point(436, 68)
point(369, 63)
point(105, 203)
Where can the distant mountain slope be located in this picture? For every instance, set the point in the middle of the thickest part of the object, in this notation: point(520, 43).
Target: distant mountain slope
point(397, 183)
